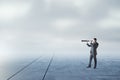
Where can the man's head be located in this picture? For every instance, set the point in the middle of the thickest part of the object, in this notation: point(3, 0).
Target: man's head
point(94, 39)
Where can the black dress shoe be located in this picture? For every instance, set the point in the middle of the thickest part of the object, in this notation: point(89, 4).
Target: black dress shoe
point(88, 66)
point(94, 67)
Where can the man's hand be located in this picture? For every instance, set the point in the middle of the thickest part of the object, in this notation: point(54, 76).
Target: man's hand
point(87, 43)
point(91, 41)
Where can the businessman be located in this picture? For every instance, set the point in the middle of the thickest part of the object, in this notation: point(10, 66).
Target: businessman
point(93, 52)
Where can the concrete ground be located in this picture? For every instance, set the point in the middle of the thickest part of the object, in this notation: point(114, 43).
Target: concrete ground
point(45, 68)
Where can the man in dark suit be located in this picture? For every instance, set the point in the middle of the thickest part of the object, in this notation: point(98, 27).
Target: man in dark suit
point(93, 52)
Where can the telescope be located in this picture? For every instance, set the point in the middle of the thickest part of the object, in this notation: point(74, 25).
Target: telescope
point(86, 40)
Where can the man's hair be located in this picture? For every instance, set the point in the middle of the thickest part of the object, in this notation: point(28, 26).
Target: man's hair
point(95, 39)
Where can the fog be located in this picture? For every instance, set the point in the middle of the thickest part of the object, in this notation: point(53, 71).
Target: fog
point(43, 27)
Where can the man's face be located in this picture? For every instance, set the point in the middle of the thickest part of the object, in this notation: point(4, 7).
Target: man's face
point(93, 41)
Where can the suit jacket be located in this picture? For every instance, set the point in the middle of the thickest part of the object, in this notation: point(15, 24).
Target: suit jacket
point(94, 47)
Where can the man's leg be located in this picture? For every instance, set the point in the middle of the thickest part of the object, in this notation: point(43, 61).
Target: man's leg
point(90, 60)
point(95, 61)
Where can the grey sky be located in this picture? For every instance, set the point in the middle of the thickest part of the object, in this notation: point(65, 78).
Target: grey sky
point(45, 26)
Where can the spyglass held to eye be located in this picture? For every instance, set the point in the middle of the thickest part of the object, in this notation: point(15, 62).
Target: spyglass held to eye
point(86, 40)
